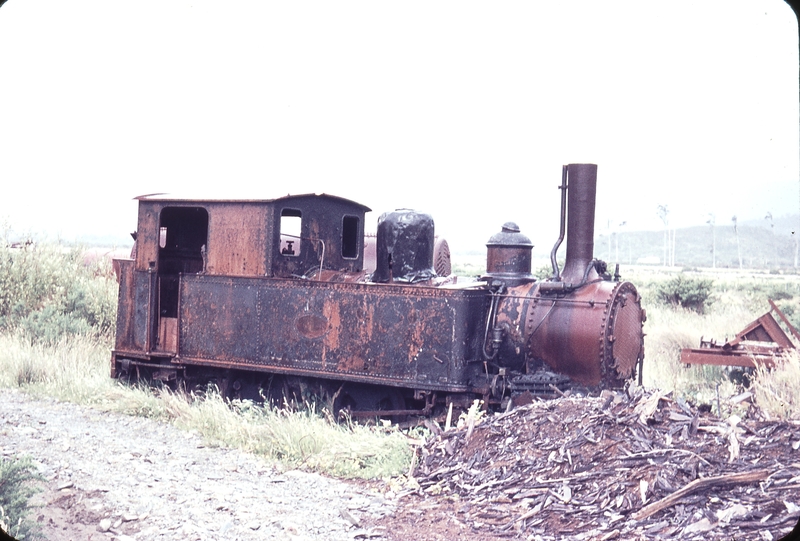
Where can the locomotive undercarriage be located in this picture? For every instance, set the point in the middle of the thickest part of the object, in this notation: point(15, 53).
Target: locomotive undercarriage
point(351, 399)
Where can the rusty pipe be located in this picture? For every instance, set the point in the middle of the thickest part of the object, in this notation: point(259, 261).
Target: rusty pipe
point(553, 261)
point(566, 287)
point(582, 193)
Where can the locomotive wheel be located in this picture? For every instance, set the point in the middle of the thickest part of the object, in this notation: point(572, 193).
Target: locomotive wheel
point(124, 376)
point(357, 400)
point(246, 386)
point(280, 393)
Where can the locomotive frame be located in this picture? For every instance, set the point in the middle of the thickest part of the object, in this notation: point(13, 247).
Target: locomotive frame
point(266, 297)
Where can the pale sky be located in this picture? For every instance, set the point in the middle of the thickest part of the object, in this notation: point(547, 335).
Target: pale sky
point(466, 110)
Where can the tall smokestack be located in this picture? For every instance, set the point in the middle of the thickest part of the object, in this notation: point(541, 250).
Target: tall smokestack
point(581, 196)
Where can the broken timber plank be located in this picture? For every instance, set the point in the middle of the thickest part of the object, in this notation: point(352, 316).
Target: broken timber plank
point(699, 484)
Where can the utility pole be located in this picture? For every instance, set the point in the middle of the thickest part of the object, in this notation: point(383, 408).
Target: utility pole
point(772, 230)
point(663, 213)
point(736, 234)
point(672, 248)
point(711, 220)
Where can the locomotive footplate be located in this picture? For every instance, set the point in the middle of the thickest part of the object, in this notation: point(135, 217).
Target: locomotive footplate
point(541, 382)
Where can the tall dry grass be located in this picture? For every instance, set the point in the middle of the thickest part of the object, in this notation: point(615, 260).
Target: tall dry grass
point(777, 391)
point(670, 329)
point(305, 438)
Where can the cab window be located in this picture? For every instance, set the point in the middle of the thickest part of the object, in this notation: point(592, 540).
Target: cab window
point(291, 221)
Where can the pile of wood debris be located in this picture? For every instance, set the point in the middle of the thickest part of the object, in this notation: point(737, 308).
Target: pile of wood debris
point(626, 465)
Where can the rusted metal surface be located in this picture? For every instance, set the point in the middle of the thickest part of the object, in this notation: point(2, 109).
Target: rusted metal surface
point(264, 293)
point(388, 335)
point(761, 343)
point(134, 312)
point(243, 237)
point(580, 323)
point(581, 196)
point(750, 356)
point(785, 320)
point(331, 236)
point(594, 336)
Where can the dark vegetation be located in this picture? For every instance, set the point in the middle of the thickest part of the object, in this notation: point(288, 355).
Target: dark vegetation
point(686, 292)
point(18, 480)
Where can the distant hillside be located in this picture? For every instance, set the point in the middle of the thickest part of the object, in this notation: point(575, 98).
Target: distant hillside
point(760, 246)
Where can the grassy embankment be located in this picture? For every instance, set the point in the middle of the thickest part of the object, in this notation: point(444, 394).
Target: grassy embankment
point(57, 323)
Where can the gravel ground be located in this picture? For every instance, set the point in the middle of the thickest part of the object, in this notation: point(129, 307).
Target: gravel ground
point(116, 477)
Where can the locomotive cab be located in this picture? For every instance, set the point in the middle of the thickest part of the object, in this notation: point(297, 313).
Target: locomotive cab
point(292, 236)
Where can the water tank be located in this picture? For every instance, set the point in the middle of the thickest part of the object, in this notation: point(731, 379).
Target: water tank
point(404, 251)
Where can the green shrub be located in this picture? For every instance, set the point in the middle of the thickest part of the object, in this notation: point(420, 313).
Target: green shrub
point(17, 485)
point(777, 294)
point(691, 293)
point(48, 292)
point(546, 271)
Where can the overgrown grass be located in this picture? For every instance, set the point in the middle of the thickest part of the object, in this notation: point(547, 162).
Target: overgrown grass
point(307, 438)
point(74, 369)
point(669, 329)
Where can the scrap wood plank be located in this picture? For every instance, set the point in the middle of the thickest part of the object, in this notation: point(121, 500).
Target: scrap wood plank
point(699, 484)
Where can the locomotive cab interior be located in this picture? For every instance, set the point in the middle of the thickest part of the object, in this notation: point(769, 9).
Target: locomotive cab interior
point(291, 238)
point(182, 240)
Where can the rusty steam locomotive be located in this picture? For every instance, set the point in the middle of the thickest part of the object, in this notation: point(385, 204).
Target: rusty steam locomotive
point(271, 297)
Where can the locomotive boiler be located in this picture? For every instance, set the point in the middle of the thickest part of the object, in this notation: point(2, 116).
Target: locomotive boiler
point(275, 298)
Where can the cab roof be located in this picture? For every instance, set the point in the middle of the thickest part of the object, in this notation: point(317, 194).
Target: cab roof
point(177, 198)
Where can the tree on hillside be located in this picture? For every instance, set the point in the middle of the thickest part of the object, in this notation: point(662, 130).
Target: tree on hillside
point(614, 232)
point(768, 217)
point(736, 234)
